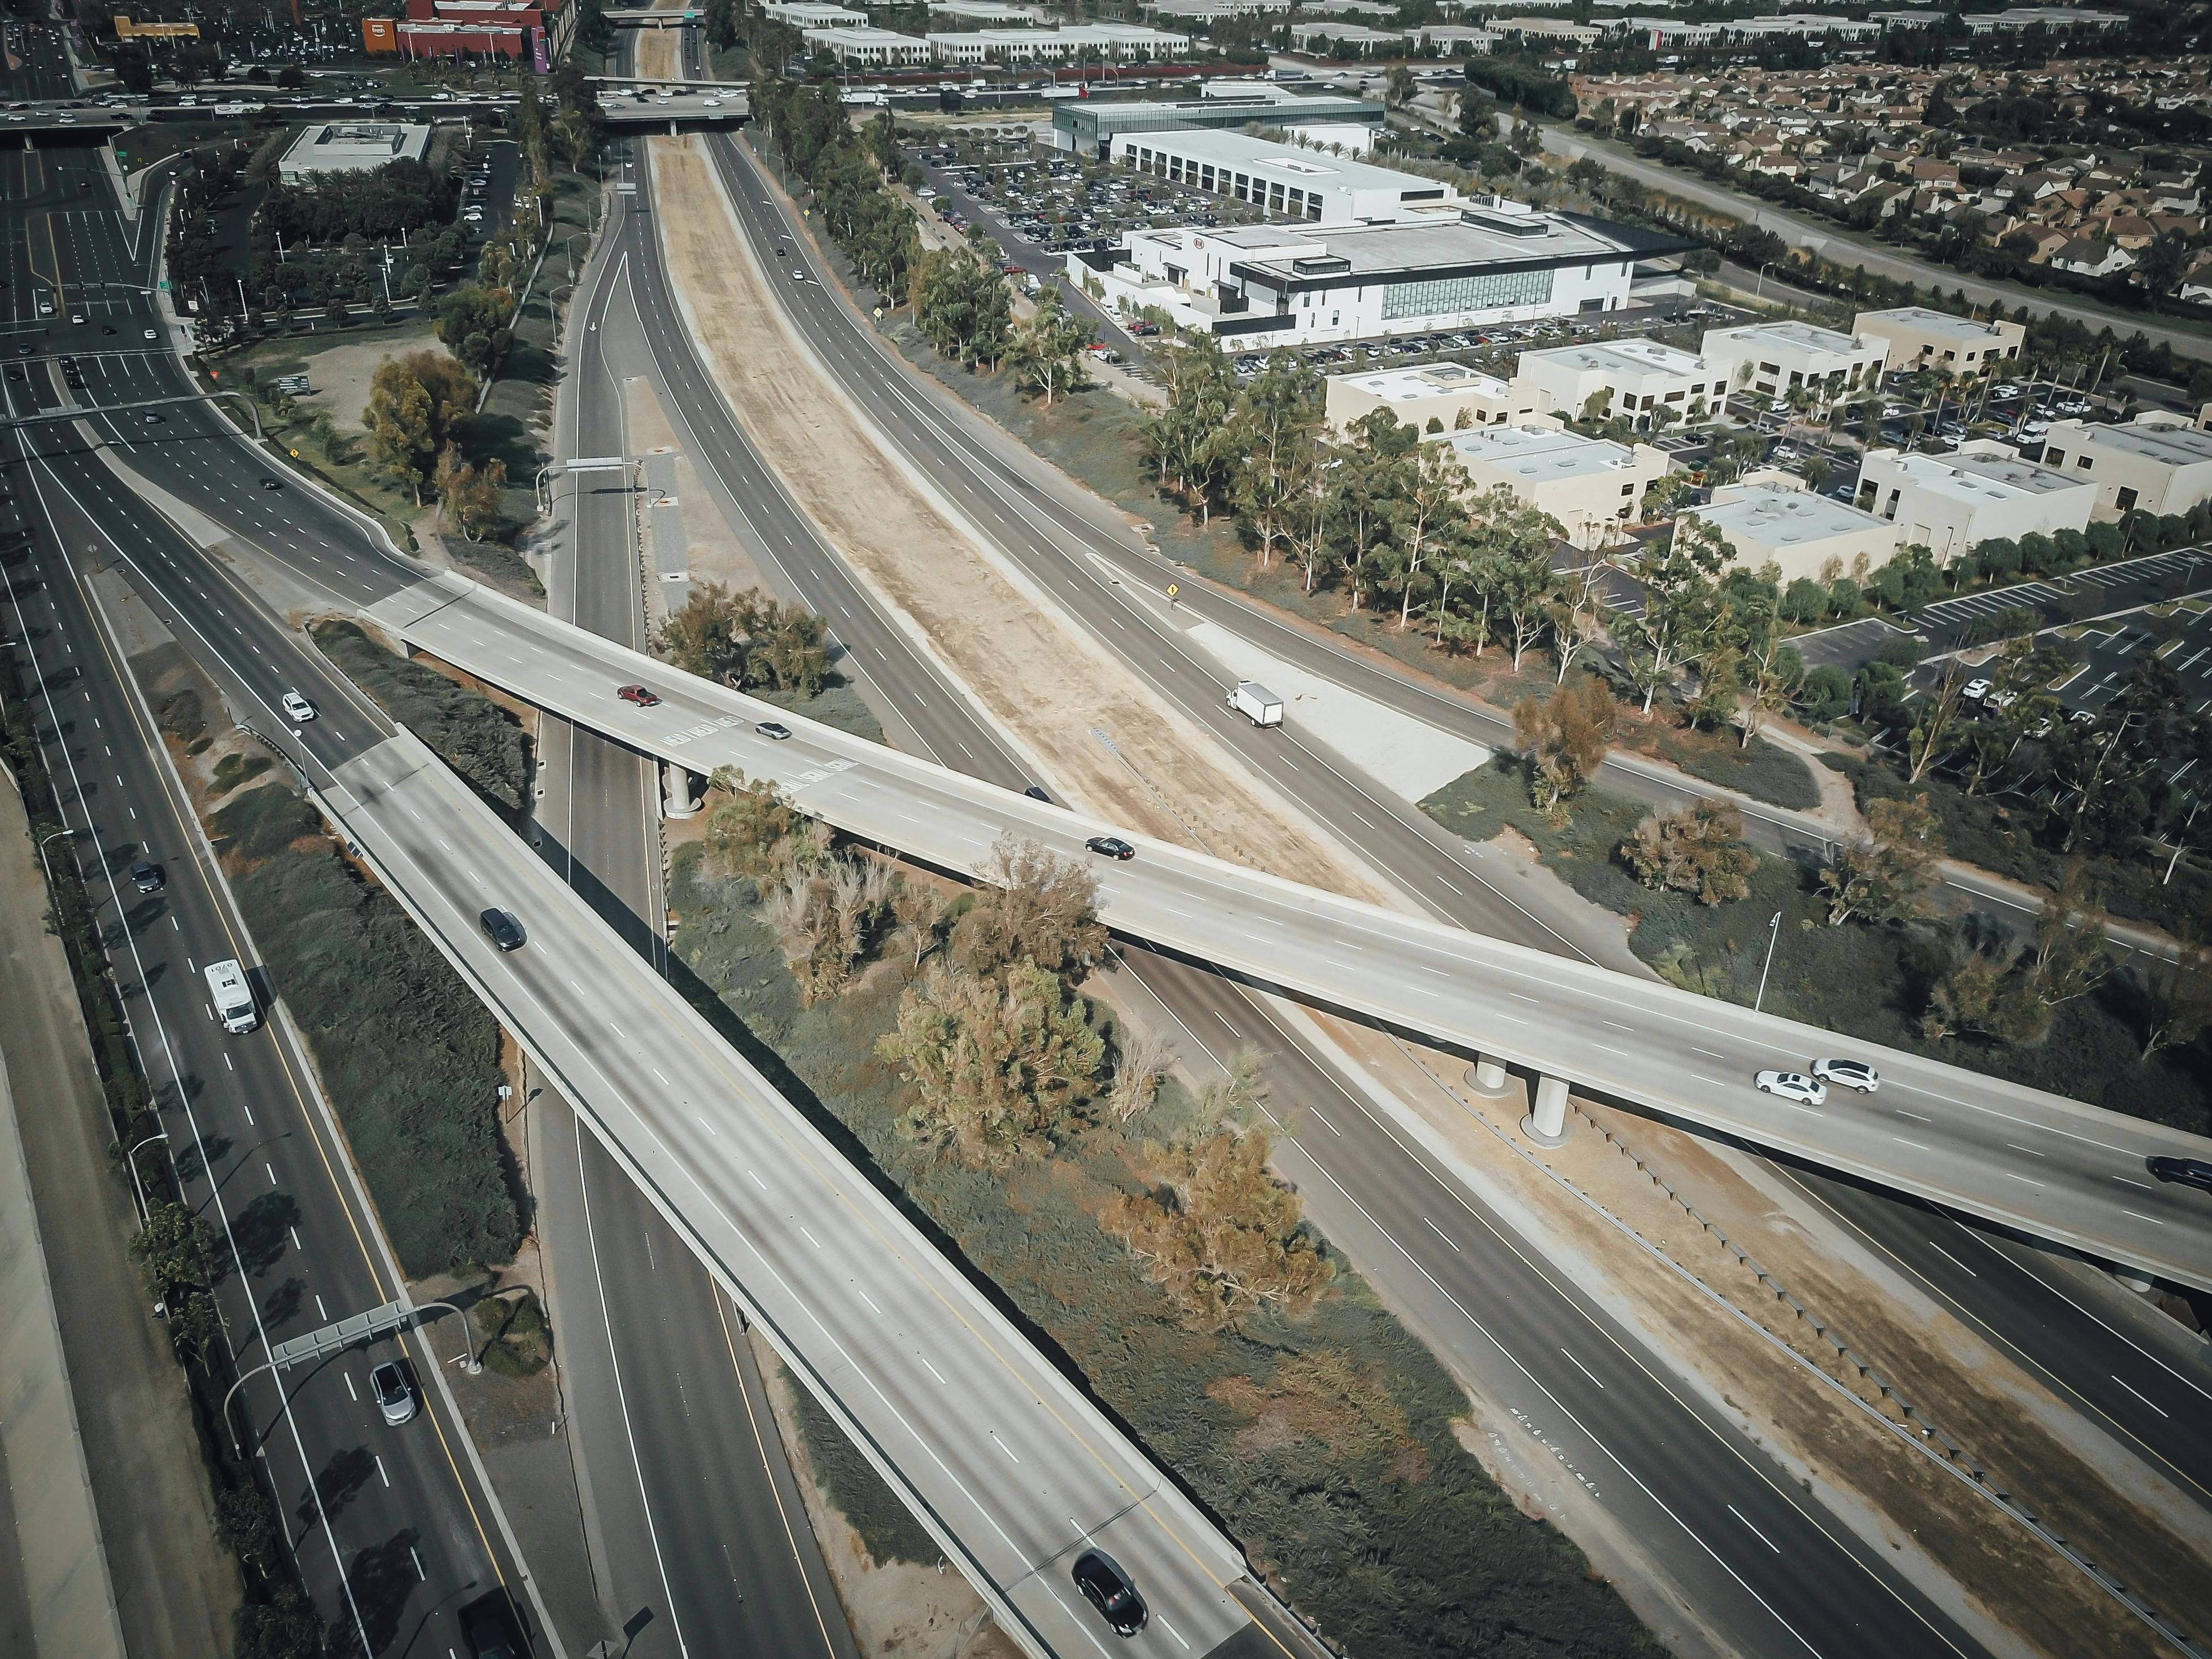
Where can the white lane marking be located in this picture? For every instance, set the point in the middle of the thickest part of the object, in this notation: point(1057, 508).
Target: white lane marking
point(2139, 1395)
point(1438, 1231)
point(1755, 1532)
point(1586, 1372)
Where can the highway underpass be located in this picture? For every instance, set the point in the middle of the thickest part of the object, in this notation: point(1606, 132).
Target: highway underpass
point(2037, 1164)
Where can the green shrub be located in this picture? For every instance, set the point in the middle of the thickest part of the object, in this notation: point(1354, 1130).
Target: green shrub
point(1382, 1526)
point(410, 1056)
point(235, 769)
point(474, 735)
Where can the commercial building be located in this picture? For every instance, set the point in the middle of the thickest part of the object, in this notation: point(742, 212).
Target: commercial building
point(2059, 20)
point(1454, 39)
point(1633, 379)
point(1338, 39)
point(1950, 504)
point(1452, 395)
point(1273, 285)
point(1592, 486)
point(869, 47)
point(1785, 355)
point(2157, 464)
point(1920, 338)
point(1295, 183)
point(1794, 529)
point(1089, 125)
point(806, 15)
point(989, 14)
point(351, 147)
point(1114, 42)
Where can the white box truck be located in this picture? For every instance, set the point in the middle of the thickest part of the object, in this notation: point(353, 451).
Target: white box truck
point(233, 997)
point(1256, 703)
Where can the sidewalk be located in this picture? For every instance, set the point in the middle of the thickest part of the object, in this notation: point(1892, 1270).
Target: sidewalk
point(174, 1592)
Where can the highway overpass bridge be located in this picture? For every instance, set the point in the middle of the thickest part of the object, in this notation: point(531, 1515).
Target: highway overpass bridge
point(2042, 1165)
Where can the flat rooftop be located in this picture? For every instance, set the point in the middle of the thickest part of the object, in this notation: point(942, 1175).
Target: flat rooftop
point(1535, 456)
point(1780, 517)
point(1984, 476)
point(1477, 238)
point(1927, 322)
point(1619, 356)
point(1804, 337)
point(355, 146)
point(2169, 446)
point(1309, 169)
point(1399, 385)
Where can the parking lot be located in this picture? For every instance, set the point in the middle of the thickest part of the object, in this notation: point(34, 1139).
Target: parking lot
point(2182, 639)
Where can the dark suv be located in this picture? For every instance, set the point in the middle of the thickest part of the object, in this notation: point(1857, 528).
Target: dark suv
point(1111, 1590)
point(501, 929)
point(2189, 1171)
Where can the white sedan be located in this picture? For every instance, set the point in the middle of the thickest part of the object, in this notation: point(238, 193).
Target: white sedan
point(1793, 1086)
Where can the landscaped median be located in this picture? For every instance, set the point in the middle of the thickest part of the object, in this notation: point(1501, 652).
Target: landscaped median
point(943, 1037)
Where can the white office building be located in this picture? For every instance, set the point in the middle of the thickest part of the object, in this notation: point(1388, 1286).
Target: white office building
point(1263, 286)
point(1951, 504)
point(1783, 356)
point(806, 15)
point(1631, 378)
point(1592, 486)
point(871, 48)
point(1452, 395)
point(351, 147)
point(986, 13)
point(1795, 529)
point(1117, 43)
point(2158, 463)
point(1297, 183)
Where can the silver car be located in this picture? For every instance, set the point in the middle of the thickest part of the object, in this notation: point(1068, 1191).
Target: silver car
point(394, 1397)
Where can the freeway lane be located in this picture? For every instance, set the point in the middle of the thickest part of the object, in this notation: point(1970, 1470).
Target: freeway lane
point(390, 1527)
point(2048, 1167)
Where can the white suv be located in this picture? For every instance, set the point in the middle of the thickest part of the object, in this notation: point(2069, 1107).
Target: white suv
point(1847, 1074)
point(296, 707)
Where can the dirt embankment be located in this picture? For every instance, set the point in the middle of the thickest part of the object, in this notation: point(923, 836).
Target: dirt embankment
point(1042, 679)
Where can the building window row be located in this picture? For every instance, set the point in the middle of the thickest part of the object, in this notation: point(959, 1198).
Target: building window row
point(1444, 295)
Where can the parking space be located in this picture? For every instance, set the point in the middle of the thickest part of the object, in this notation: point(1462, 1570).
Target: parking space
point(2099, 590)
point(2182, 640)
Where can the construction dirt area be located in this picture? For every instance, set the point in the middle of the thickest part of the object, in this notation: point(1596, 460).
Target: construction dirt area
point(1900, 1418)
point(1042, 680)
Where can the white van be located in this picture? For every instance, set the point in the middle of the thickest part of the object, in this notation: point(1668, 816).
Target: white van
point(233, 997)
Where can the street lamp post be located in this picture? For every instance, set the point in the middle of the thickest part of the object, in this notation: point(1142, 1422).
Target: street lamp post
point(1773, 932)
point(131, 1158)
point(49, 868)
point(1759, 288)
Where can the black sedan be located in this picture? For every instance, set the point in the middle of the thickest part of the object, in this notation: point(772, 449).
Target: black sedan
point(1111, 1590)
point(1110, 846)
point(2188, 1171)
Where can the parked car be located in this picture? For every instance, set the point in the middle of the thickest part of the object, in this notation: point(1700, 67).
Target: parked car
point(638, 695)
point(1849, 1074)
point(1111, 1590)
point(502, 928)
point(1110, 846)
point(395, 1396)
point(1977, 689)
point(296, 707)
point(1791, 1086)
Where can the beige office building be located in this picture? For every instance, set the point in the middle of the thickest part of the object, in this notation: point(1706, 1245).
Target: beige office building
point(1795, 529)
point(1950, 504)
point(1635, 377)
point(1783, 356)
point(1917, 338)
point(1592, 486)
point(2157, 464)
point(1443, 393)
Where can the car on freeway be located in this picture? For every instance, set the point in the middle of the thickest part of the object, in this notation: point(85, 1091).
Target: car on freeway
point(394, 1397)
point(1977, 689)
point(774, 729)
point(1110, 846)
point(1849, 1074)
point(488, 1625)
point(270, 483)
point(155, 418)
point(1111, 1590)
point(295, 706)
point(146, 875)
point(1036, 792)
point(638, 695)
point(798, 276)
point(2185, 1171)
point(501, 928)
point(1791, 1086)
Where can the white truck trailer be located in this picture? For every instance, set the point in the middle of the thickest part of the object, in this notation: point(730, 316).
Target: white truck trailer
point(1256, 703)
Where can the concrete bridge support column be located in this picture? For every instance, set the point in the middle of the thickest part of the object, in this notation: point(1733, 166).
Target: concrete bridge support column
point(1546, 1125)
point(1486, 1076)
point(678, 799)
